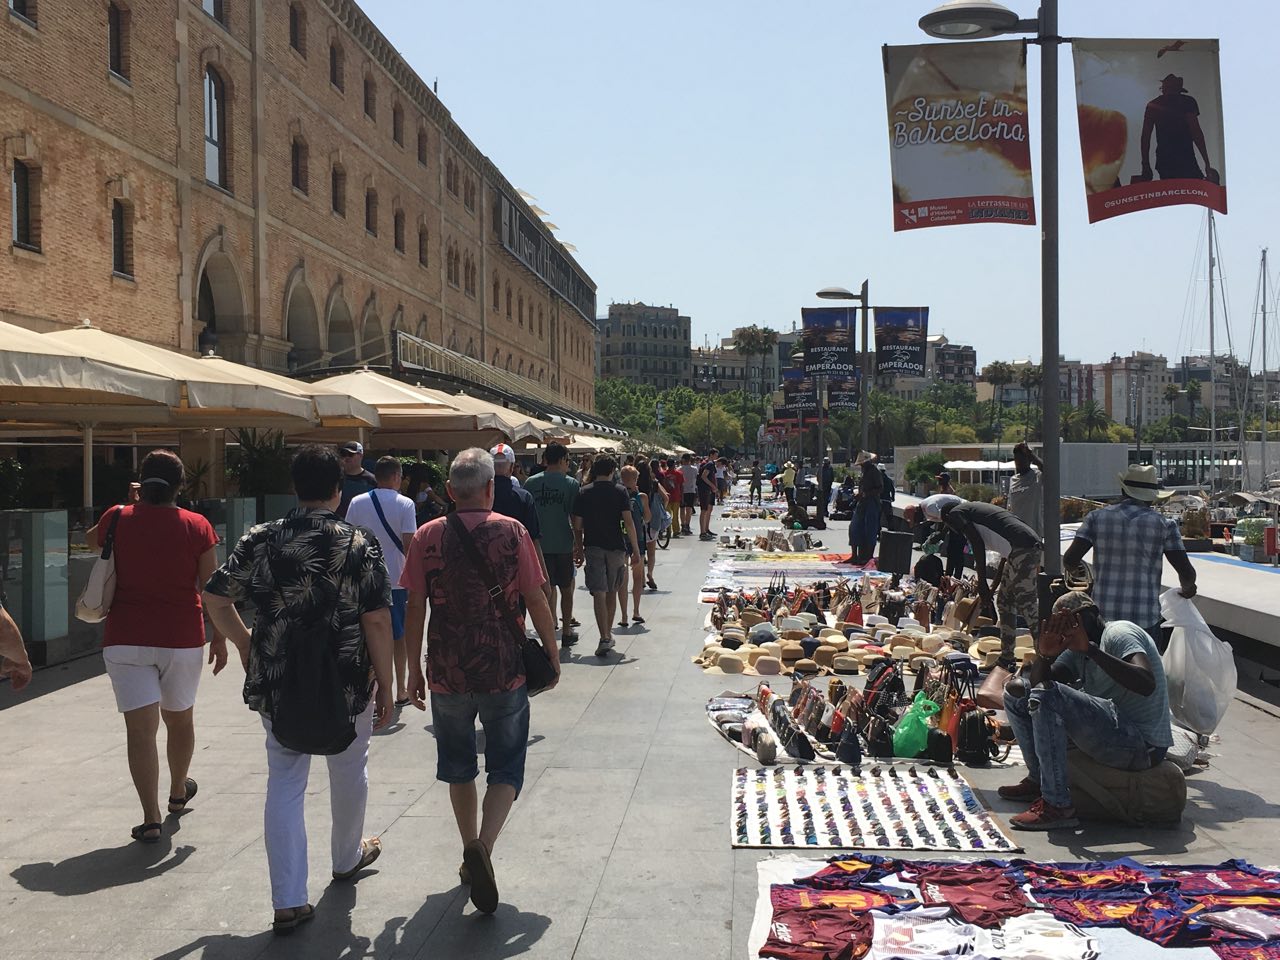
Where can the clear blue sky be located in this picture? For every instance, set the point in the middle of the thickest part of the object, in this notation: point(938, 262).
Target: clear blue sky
point(730, 158)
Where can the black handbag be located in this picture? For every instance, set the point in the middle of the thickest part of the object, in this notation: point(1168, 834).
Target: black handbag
point(538, 671)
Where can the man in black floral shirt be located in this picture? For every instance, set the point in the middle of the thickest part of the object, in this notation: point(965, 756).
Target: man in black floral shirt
point(311, 576)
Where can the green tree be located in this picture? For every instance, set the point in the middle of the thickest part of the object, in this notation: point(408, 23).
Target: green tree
point(1171, 394)
point(754, 341)
point(999, 374)
point(1193, 397)
point(924, 468)
point(1030, 378)
point(1093, 418)
point(880, 410)
point(726, 430)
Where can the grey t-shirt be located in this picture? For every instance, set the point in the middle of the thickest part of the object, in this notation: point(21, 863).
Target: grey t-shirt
point(1149, 714)
point(1026, 499)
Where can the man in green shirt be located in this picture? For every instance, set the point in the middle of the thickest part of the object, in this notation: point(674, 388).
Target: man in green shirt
point(554, 492)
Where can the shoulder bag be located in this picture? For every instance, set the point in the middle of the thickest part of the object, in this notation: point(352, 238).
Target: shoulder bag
point(395, 537)
point(95, 599)
point(538, 671)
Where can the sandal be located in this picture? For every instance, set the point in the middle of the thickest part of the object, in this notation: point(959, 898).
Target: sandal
point(300, 915)
point(403, 703)
point(370, 850)
point(652, 585)
point(484, 889)
point(140, 832)
point(637, 619)
point(179, 804)
point(623, 624)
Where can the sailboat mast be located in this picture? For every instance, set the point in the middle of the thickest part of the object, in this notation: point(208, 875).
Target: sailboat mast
point(1213, 373)
point(1266, 396)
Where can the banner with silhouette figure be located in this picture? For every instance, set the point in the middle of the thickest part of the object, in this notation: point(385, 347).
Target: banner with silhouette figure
point(959, 149)
point(1150, 114)
point(901, 336)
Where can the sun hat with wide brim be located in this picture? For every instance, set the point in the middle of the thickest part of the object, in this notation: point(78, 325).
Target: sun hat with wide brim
point(825, 655)
point(768, 666)
point(983, 646)
point(1139, 482)
point(846, 665)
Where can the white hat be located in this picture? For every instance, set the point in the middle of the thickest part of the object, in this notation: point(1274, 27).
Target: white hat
point(932, 507)
point(1140, 483)
point(503, 454)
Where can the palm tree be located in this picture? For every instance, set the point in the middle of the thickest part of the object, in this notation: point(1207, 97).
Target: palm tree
point(1093, 418)
point(1193, 397)
point(998, 374)
point(753, 341)
point(1171, 394)
point(879, 410)
point(1068, 420)
point(1029, 378)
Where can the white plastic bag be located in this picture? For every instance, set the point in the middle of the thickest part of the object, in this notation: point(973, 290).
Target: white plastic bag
point(1199, 668)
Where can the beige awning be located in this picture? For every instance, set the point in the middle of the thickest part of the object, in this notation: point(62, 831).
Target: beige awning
point(230, 394)
point(332, 409)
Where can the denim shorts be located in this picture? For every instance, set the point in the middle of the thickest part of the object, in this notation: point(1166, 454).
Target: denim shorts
point(505, 719)
point(399, 606)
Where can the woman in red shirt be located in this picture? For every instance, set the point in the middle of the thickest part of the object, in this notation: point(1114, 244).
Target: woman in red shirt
point(153, 645)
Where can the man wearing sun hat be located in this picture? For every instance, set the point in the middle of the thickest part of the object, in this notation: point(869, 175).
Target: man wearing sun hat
point(1119, 716)
point(1128, 540)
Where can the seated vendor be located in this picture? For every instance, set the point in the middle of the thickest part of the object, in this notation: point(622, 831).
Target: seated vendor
point(845, 494)
point(1119, 716)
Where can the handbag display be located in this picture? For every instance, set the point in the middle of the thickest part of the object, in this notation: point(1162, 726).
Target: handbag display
point(991, 693)
point(538, 670)
point(95, 599)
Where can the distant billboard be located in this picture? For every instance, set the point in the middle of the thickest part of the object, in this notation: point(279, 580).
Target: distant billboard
point(827, 340)
point(901, 335)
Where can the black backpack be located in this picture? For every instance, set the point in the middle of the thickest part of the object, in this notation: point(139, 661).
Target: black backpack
point(974, 742)
point(887, 492)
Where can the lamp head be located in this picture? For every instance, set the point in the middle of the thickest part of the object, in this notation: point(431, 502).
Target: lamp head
point(969, 20)
point(836, 293)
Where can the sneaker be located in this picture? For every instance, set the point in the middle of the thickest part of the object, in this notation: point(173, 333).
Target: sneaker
point(686, 532)
point(1025, 789)
point(606, 645)
point(1045, 816)
point(705, 537)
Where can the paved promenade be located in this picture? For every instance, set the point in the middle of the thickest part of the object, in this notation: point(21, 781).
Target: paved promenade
point(620, 843)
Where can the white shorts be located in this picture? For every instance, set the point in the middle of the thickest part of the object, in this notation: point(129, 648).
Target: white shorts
point(141, 676)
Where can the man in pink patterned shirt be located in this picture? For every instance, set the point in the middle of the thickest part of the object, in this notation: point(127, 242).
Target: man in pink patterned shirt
point(475, 664)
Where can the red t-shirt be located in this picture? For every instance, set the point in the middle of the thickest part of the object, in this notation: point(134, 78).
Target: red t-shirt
point(471, 648)
point(979, 895)
point(157, 601)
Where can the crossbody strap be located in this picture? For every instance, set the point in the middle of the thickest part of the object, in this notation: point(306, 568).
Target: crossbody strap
point(395, 537)
point(109, 541)
point(496, 592)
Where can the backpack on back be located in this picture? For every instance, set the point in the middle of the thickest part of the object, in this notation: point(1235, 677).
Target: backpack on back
point(887, 492)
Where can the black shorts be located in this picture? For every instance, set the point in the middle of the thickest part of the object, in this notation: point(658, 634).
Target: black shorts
point(560, 569)
point(689, 499)
point(706, 498)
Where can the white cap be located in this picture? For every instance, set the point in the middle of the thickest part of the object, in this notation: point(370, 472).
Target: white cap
point(503, 454)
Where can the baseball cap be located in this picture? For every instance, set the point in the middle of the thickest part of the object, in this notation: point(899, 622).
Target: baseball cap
point(351, 447)
point(1073, 601)
point(503, 454)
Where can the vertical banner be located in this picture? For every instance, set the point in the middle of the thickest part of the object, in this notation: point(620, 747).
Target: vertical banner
point(959, 148)
point(1150, 114)
point(799, 393)
point(827, 339)
point(901, 333)
point(844, 393)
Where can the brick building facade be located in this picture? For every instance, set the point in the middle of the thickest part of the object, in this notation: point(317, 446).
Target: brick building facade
point(272, 173)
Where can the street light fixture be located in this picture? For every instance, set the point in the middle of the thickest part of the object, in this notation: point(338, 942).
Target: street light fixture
point(979, 19)
point(707, 380)
point(841, 293)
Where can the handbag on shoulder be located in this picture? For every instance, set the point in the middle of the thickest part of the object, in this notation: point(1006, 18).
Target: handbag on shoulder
point(538, 671)
point(95, 599)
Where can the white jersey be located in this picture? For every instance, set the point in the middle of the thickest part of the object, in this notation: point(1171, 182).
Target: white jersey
point(926, 932)
point(1037, 936)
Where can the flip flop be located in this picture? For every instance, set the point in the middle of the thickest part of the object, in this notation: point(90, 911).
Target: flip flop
point(140, 832)
point(637, 619)
point(484, 888)
point(403, 703)
point(623, 624)
point(370, 850)
point(300, 915)
point(179, 804)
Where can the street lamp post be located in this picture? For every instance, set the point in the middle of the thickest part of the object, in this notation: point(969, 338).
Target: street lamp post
point(707, 380)
point(840, 293)
point(980, 19)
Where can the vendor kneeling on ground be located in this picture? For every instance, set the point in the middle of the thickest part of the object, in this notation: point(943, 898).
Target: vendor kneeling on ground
point(1119, 717)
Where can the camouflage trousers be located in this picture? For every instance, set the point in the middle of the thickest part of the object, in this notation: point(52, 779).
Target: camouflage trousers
point(1016, 596)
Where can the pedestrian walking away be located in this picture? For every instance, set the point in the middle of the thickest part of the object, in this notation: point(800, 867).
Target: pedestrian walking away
point(392, 519)
point(755, 492)
point(864, 528)
point(1099, 685)
point(317, 668)
point(656, 495)
point(689, 493)
point(475, 656)
point(641, 517)
point(554, 492)
point(603, 529)
point(706, 486)
point(154, 637)
point(1129, 541)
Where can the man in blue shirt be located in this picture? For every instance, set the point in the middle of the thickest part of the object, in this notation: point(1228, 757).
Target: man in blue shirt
point(514, 501)
point(1119, 717)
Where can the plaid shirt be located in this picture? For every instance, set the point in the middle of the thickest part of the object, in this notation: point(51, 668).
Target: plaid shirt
point(1129, 542)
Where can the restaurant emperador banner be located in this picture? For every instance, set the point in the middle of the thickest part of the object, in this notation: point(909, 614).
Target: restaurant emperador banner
point(901, 339)
point(827, 339)
point(959, 147)
point(1150, 114)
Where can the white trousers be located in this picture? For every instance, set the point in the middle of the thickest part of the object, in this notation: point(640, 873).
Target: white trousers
point(284, 823)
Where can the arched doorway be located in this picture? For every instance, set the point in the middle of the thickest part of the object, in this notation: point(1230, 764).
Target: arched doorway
point(342, 333)
point(220, 320)
point(302, 324)
point(373, 344)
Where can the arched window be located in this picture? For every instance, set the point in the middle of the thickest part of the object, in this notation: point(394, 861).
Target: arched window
point(520, 368)
point(397, 231)
point(497, 293)
point(118, 40)
point(422, 147)
point(539, 323)
point(215, 128)
point(298, 28)
point(508, 301)
point(338, 189)
point(299, 161)
point(371, 210)
point(370, 97)
point(122, 237)
point(423, 237)
point(397, 124)
point(337, 66)
point(520, 310)
point(495, 358)
point(508, 363)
